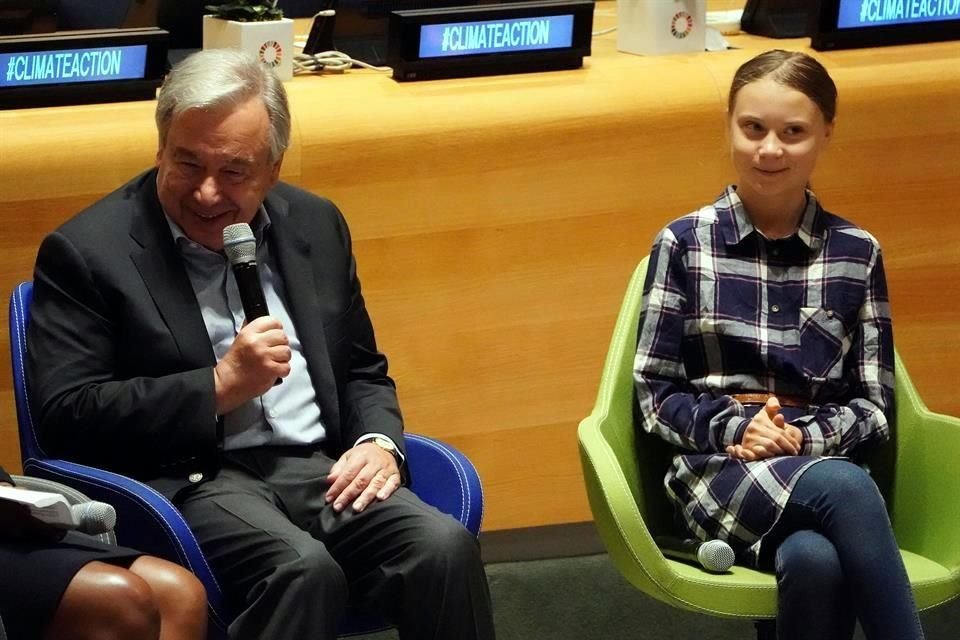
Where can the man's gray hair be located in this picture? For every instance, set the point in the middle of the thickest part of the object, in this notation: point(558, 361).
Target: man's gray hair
point(224, 77)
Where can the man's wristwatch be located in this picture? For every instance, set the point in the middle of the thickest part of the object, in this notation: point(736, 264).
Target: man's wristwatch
point(389, 447)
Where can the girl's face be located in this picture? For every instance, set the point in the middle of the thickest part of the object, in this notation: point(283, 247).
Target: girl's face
point(776, 135)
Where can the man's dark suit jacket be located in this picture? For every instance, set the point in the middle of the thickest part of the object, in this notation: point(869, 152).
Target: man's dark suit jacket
point(120, 363)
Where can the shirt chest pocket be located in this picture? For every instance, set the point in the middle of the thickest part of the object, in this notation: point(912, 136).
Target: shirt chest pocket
point(824, 342)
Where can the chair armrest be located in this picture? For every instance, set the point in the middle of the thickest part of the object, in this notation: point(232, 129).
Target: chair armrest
point(609, 456)
point(927, 487)
point(443, 477)
point(146, 521)
point(616, 514)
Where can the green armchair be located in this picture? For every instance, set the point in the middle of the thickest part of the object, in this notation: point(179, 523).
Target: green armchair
point(919, 475)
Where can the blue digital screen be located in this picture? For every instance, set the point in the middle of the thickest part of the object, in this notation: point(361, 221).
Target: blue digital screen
point(66, 66)
point(855, 14)
point(496, 36)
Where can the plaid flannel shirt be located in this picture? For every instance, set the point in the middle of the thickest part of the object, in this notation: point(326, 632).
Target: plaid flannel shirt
point(729, 311)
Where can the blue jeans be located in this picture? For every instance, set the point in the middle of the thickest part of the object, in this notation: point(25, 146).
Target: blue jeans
point(836, 561)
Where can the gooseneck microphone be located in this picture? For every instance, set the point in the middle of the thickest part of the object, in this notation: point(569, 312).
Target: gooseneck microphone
point(240, 245)
point(93, 517)
point(713, 555)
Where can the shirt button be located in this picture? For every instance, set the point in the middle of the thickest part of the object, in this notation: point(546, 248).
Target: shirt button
point(775, 308)
point(195, 477)
point(775, 252)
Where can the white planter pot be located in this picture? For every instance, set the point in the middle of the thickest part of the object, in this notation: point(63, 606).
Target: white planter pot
point(651, 27)
point(270, 42)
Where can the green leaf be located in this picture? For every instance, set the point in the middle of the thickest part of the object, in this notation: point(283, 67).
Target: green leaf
point(246, 11)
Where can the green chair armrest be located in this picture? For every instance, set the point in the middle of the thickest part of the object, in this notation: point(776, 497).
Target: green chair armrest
point(926, 503)
point(616, 513)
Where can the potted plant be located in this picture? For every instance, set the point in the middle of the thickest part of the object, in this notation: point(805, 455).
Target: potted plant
point(256, 27)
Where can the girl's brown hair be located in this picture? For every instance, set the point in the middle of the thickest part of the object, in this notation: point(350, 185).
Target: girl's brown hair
point(791, 69)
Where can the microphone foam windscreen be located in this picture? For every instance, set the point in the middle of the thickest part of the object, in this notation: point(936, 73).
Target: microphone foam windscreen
point(716, 555)
point(239, 243)
point(94, 517)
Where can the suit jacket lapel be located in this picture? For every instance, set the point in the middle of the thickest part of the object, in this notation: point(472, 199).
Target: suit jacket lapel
point(165, 278)
point(292, 255)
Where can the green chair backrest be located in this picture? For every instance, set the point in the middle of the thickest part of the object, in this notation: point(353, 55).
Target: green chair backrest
point(644, 458)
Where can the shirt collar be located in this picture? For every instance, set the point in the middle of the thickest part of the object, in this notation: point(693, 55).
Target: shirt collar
point(735, 224)
point(259, 225)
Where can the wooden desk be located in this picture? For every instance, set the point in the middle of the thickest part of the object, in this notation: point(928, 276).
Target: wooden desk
point(497, 220)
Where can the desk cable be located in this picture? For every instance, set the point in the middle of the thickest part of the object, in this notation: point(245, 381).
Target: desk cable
point(329, 62)
point(326, 61)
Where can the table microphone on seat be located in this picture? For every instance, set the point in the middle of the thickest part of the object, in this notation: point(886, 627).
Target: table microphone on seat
point(93, 517)
point(713, 555)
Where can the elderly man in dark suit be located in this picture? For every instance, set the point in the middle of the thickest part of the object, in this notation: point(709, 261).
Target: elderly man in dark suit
point(141, 361)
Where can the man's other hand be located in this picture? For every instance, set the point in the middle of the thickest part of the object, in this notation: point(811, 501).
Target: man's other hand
point(258, 356)
point(363, 474)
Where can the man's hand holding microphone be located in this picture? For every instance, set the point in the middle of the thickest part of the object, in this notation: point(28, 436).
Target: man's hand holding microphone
point(260, 355)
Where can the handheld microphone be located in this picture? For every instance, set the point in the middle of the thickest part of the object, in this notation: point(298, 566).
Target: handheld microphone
point(240, 245)
point(714, 555)
point(93, 517)
point(241, 248)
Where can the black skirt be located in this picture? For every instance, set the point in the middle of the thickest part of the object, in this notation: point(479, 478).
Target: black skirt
point(33, 578)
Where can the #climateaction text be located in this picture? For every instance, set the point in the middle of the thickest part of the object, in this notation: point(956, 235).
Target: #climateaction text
point(883, 11)
point(496, 36)
point(64, 65)
point(70, 66)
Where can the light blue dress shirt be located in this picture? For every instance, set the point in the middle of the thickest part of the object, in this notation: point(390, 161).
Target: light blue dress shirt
point(288, 413)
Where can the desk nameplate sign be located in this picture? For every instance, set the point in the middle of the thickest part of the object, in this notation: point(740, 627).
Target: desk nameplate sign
point(76, 67)
point(847, 24)
point(489, 39)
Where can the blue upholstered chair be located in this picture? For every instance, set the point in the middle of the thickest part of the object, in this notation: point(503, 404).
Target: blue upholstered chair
point(442, 477)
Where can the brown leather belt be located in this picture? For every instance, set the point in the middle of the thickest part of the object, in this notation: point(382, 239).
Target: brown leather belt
point(761, 398)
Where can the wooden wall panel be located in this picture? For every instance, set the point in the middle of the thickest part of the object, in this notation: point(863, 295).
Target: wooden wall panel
point(497, 220)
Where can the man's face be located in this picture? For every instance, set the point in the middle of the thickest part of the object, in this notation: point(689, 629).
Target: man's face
point(214, 169)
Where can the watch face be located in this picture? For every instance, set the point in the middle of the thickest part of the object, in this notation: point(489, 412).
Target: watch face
point(384, 444)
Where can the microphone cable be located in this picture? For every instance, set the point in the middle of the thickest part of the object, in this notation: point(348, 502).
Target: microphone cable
point(327, 61)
